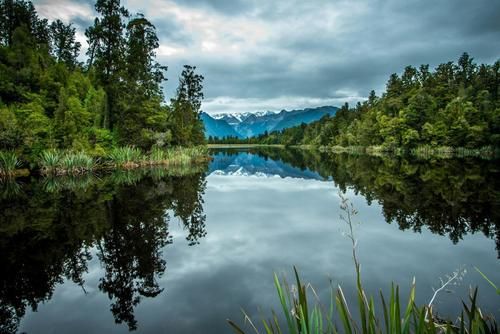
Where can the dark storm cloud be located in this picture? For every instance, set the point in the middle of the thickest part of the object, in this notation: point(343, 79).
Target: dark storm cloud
point(229, 7)
point(171, 31)
point(257, 54)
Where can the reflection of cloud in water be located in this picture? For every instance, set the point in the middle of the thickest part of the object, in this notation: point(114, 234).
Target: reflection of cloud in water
point(228, 183)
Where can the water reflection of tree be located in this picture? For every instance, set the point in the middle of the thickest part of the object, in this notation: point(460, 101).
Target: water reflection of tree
point(188, 206)
point(41, 241)
point(46, 237)
point(130, 250)
point(450, 197)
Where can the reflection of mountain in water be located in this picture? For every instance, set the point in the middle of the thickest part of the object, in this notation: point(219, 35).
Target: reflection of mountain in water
point(246, 164)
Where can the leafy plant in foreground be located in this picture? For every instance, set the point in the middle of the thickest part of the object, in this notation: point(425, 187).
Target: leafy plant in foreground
point(301, 318)
point(497, 290)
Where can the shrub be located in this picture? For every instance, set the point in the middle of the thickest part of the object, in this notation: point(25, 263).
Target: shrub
point(126, 156)
point(9, 163)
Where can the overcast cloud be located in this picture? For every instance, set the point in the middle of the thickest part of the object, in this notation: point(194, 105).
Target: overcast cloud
point(273, 55)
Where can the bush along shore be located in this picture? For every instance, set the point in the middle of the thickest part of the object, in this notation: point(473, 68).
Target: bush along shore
point(58, 163)
point(392, 316)
point(9, 164)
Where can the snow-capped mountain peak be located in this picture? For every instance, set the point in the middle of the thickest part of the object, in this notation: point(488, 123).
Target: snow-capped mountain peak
point(250, 124)
point(238, 117)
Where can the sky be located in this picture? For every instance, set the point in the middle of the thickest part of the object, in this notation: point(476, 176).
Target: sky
point(259, 55)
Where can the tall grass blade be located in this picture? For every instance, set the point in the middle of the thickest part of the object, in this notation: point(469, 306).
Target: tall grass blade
point(284, 306)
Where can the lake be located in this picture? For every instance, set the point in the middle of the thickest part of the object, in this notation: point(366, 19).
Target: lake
point(160, 251)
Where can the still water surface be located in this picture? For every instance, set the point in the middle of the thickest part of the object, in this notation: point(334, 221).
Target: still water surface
point(158, 253)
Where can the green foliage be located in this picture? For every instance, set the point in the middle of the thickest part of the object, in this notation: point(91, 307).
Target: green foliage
point(48, 100)
point(65, 48)
point(8, 163)
point(497, 290)
point(125, 156)
point(187, 128)
point(53, 162)
point(11, 135)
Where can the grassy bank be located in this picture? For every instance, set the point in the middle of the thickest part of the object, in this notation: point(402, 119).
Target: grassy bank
point(59, 163)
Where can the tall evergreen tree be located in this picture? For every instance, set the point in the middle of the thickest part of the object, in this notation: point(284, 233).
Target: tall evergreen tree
point(187, 127)
point(64, 46)
point(140, 115)
point(107, 49)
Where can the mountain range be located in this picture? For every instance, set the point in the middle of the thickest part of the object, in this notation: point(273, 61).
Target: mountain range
point(244, 125)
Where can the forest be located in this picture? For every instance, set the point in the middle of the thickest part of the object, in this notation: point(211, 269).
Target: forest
point(52, 100)
point(455, 105)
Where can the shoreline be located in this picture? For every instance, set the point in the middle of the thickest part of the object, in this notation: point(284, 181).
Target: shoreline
point(424, 151)
point(62, 163)
point(67, 163)
point(215, 146)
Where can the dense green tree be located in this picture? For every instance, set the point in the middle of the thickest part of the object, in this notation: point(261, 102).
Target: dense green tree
point(142, 117)
point(64, 47)
point(107, 49)
point(15, 14)
point(187, 128)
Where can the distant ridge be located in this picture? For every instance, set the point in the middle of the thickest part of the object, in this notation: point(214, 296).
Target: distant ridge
point(244, 125)
point(217, 127)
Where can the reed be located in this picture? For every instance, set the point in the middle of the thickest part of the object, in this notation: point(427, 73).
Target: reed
point(9, 163)
point(394, 316)
point(355, 150)
point(54, 162)
point(157, 156)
